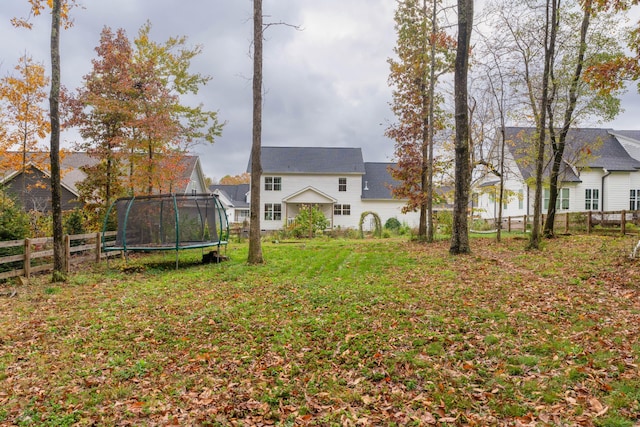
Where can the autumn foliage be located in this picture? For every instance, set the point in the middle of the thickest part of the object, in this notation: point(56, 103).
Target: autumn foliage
point(424, 53)
point(132, 119)
point(243, 178)
point(25, 119)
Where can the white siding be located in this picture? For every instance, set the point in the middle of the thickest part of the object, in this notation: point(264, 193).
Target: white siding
point(327, 184)
point(515, 193)
point(591, 179)
point(386, 209)
point(616, 191)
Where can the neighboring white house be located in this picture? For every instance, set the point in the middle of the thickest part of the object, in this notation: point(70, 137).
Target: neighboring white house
point(235, 198)
point(600, 172)
point(335, 179)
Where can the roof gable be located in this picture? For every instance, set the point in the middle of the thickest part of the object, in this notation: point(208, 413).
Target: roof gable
point(72, 164)
point(309, 195)
point(236, 193)
point(41, 173)
point(311, 160)
point(585, 148)
point(630, 140)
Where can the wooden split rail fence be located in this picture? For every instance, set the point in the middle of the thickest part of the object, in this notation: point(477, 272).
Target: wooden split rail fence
point(30, 256)
point(622, 222)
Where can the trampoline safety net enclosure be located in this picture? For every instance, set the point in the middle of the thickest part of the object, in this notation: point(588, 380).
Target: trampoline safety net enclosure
point(167, 222)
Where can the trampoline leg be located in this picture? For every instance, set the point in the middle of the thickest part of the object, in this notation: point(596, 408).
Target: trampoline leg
point(177, 260)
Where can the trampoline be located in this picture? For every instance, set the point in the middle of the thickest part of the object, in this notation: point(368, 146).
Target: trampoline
point(167, 222)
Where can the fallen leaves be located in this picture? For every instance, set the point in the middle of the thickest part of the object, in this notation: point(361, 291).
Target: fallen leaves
point(500, 338)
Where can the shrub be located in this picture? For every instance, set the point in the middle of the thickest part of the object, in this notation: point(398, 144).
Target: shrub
point(14, 222)
point(444, 221)
point(14, 225)
point(392, 224)
point(309, 219)
point(405, 229)
point(74, 222)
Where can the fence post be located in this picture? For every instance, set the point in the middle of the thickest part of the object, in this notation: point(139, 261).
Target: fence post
point(509, 224)
point(589, 222)
point(67, 253)
point(27, 258)
point(98, 247)
point(566, 223)
point(623, 222)
point(524, 230)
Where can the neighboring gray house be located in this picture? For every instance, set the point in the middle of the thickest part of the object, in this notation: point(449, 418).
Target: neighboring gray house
point(600, 172)
point(336, 179)
point(33, 187)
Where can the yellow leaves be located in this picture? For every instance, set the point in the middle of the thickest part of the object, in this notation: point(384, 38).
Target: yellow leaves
point(22, 98)
point(38, 6)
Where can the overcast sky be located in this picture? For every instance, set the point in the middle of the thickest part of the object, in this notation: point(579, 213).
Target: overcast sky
point(325, 85)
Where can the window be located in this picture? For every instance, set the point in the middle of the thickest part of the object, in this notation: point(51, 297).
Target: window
point(342, 209)
point(272, 183)
point(634, 200)
point(520, 199)
point(272, 212)
point(591, 199)
point(342, 184)
point(563, 199)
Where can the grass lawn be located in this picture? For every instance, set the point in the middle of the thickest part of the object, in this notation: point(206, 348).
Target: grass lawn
point(333, 332)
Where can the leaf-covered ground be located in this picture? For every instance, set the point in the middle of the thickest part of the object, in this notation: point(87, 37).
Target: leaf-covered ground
point(334, 332)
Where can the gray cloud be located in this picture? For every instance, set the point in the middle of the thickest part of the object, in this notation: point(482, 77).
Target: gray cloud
point(325, 85)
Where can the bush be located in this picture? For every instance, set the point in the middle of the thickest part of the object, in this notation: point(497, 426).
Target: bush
point(307, 219)
point(14, 225)
point(444, 220)
point(405, 229)
point(74, 222)
point(14, 222)
point(392, 224)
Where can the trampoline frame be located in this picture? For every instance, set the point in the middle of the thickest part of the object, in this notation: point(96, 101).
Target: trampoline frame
point(222, 226)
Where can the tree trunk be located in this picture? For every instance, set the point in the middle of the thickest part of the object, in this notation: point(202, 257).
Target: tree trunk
point(432, 92)
point(501, 195)
point(56, 190)
point(558, 149)
point(424, 173)
point(255, 248)
point(460, 228)
point(549, 49)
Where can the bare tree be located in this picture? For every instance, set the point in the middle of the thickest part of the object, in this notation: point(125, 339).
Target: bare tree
point(255, 246)
point(56, 189)
point(460, 227)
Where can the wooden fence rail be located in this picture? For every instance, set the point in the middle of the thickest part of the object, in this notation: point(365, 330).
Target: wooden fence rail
point(30, 256)
point(622, 222)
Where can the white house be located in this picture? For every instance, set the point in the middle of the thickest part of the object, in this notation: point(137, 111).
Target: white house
point(600, 172)
point(335, 179)
point(235, 198)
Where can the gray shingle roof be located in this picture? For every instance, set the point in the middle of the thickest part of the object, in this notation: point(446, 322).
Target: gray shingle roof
point(633, 134)
point(586, 147)
point(72, 163)
point(311, 160)
point(376, 181)
point(236, 193)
